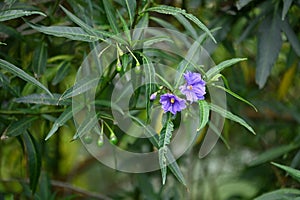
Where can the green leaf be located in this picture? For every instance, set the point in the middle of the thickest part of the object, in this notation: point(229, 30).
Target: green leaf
point(12, 14)
point(130, 6)
point(34, 160)
point(242, 3)
point(88, 124)
point(150, 80)
point(154, 139)
point(286, 6)
point(62, 119)
point(229, 115)
point(187, 25)
point(43, 99)
point(73, 33)
point(80, 87)
point(164, 141)
point(291, 171)
point(235, 95)
point(204, 114)
point(163, 23)
point(269, 44)
point(23, 75)
point(62, 72)
point(138, 30)
point(77, 21)
point(285, 193)
point(19, 127)
point(39, 60)
point(169, 10)
point(221, 66)
point(110, 14)
point(291, 36)
point(273, 153)
point(188, 60)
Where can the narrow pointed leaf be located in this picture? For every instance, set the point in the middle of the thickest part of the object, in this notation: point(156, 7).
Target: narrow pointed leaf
point(154, 139)
point(12, 14)
point(39, 60)
point(291, 171)
point(269, 44)
point(62, 119)
point(130, 6)
point(284, 193)
point(110, 14)
point(272, 154)
point(23, 75)
point(291, 36)
point(221, 66)
point(236, 96)
point(286, 6)
point(229, 115)
point(242, 3)
point(88, 124)
point(204, 113)
point(62, 72)
point(34, 160)
point(19, 127)
point(80, 87)
point(73, 33)
point(169, 10)
point(43, 99)
point(187, 25)
point(164, 141)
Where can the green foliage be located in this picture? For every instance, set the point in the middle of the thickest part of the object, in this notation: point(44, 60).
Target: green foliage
point(42, 45)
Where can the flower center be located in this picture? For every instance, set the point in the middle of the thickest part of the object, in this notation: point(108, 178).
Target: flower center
point(172, 100)
point(190, 87)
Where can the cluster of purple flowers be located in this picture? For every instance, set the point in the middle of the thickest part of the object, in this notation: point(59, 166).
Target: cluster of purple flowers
point(193, 89)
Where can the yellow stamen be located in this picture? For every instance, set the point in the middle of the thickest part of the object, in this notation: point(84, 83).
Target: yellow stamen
point(190, 87)
point(172, 100)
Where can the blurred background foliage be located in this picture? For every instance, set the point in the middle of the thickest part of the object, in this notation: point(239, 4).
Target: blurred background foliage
point(266, 32)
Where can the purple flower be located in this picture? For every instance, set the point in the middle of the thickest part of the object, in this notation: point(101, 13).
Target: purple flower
point(172, 103)
point(153, 96)
point(194, 88)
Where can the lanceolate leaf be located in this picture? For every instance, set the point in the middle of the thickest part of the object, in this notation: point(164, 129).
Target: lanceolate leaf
point(23, 75)
point(153, 138)
point(39, 61)
point(73, 33)
point(229, 115)
point(235, 95)
point(62, 119)
point(169, 10)
point(12, 14)
point(19, 127)
point(43, 99)
point(164, 141)
point(221, 66)
point(241, 3)
point(80, 87)
point(131, 6)
point(88, 124)
point(110, 14)
point(34, 160)
point(291, 36)
point(286, 6)
point(273, 153)
point(269, 44)
point(281, 194)
point(291, 171)
point(63, 70)
point(204, 114)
